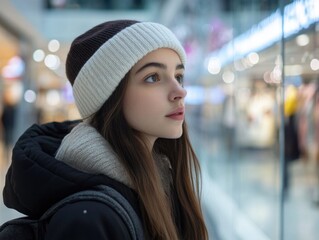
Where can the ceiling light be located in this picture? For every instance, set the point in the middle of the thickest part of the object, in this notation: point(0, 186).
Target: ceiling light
point(302, 40)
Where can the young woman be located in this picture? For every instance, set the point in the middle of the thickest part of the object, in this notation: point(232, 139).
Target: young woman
point(127, 79)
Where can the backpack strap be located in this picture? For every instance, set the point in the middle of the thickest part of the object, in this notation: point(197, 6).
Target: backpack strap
point(111, 198)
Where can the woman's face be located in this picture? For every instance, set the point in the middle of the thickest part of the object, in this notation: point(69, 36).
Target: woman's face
point(154, 98)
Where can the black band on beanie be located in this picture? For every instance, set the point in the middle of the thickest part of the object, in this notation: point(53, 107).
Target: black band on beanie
point(85, 45)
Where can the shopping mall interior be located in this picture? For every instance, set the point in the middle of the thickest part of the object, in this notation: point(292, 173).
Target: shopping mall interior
point(252, 78)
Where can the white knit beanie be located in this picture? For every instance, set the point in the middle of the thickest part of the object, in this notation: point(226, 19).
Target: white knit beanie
point(100, 58)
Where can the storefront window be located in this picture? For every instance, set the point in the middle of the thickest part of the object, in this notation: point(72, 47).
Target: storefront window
point(256, 129)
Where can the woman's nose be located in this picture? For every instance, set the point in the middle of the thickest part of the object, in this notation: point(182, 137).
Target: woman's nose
point(177, 92)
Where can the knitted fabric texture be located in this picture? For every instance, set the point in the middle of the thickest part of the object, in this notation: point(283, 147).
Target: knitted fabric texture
point(78, 151)
point(100, 58)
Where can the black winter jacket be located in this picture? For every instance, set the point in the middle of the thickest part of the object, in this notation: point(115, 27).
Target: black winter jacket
point(36, 180)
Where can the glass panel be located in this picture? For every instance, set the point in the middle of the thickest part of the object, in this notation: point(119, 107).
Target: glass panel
point(256, 129)
point(301, 213)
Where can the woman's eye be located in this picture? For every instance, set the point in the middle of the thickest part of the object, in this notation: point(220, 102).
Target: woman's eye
point(151, 79)
point(180, 79)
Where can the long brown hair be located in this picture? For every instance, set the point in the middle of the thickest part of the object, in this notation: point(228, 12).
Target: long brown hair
point(156, 206)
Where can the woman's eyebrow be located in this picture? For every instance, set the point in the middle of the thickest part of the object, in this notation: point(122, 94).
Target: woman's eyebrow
point(180, 66)
point(158, 65)
point(151, 64)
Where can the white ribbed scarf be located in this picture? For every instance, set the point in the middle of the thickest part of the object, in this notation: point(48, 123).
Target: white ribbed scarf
point(86, 150)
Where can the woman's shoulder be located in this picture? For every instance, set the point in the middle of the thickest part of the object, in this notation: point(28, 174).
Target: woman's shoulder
point(87, 220)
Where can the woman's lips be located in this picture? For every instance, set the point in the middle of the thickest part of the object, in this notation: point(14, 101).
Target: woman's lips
point(177, 114)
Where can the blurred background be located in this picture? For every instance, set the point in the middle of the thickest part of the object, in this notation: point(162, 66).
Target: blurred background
point(252, 104)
